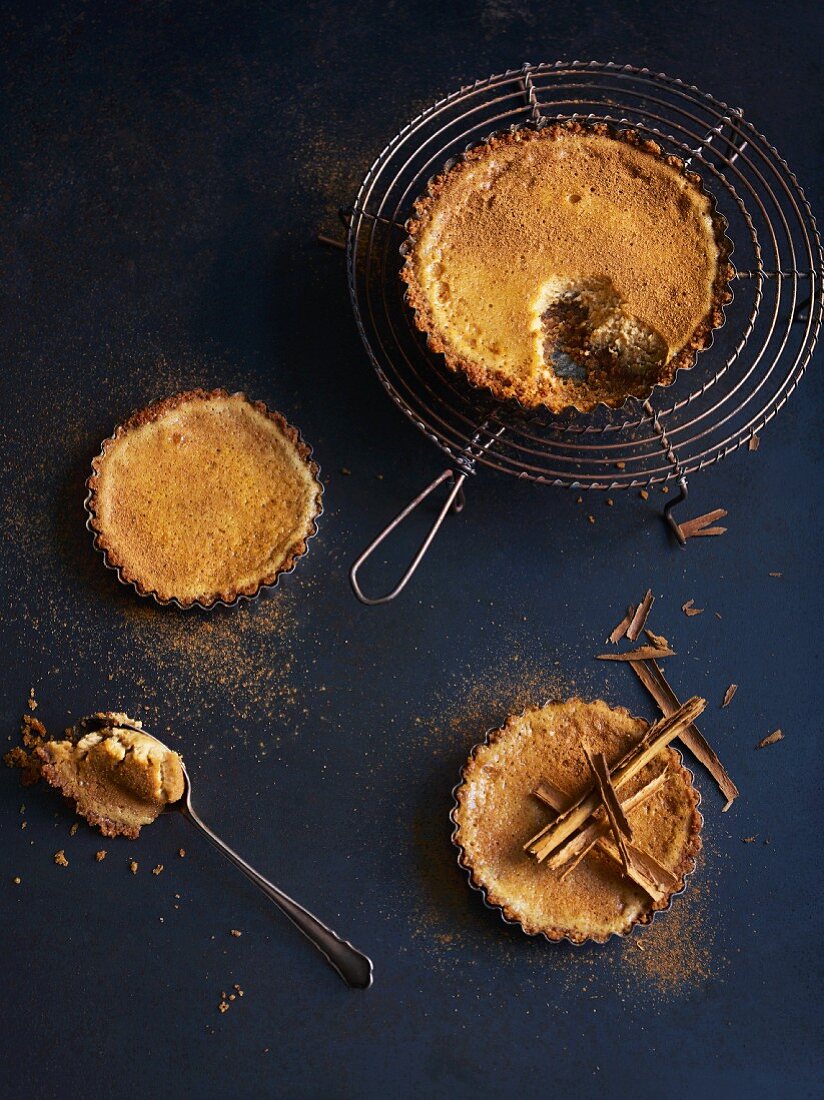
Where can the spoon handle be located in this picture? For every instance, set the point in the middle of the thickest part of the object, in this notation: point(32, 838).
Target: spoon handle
point(353, 966)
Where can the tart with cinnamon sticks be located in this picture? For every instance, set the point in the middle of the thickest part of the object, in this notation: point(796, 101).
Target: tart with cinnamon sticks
point(578, 820)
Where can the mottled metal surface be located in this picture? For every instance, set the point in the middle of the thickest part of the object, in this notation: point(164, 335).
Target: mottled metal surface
point(166, 168)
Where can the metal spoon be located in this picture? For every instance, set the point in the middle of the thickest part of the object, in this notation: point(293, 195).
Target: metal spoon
point(353, 966)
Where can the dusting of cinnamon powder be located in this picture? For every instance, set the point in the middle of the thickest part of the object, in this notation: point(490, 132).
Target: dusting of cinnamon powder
point(675, 953)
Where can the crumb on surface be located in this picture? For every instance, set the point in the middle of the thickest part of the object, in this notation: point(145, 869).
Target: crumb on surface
point(60, 859)
point(100, 856)
point(16, 880)
point(235, 932)
point(181, 852)
point(133, 865)
point(157, 870)
point(74, 829)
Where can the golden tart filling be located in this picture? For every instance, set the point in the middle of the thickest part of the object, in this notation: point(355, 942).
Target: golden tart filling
point(567, 266)
point(497, 814)
point(204, 497)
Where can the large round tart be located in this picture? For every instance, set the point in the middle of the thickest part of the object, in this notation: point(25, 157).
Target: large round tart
point(497, 813)
point(567, 266)
point(203, 497)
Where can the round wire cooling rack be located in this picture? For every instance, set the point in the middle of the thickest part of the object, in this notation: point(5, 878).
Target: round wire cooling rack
point(737, 385)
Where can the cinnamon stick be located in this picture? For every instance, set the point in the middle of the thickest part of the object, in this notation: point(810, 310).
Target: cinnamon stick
point(707, 531)
point(657, 738)
point(651, 676)
point(642, 653)
point(701, 525)
point(600, 770)
point(639, 619)
point(581, 843)
point(644, 869)
point(615, 815)
point(622, 627)
point(656, 639)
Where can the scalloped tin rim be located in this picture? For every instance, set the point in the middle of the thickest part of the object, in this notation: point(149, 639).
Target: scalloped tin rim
point(198, 604)
point(517, 924)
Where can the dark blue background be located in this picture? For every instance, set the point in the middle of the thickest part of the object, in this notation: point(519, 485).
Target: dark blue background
point(165, 169)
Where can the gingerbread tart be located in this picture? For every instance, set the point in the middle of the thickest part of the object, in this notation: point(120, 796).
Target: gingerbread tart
point(568, 266)
point(203, 497)
point(119, 777)
point(496, 813)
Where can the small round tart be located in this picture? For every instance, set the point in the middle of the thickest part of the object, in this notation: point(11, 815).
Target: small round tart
point(497, 813)
point(568, 266)
point(203, 497)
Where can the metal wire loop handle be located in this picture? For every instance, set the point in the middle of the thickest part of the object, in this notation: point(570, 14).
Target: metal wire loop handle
point(454, 500)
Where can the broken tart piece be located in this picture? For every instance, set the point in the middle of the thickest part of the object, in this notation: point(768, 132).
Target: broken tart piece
point(568, 266)
point(595, 883)
point(119, 777)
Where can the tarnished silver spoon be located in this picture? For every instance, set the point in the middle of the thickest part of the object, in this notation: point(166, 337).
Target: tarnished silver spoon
point(353, 966)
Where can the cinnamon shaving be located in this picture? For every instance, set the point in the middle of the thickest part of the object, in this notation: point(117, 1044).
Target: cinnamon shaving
point(770, 739)
point(728, 694)
point(639, 619)
point(622, 627)
point(753, 443)
point(702, 525)
point(642, 653)
point(651, 676)
point(657, 639)
point(689, 608)
point(656, 738)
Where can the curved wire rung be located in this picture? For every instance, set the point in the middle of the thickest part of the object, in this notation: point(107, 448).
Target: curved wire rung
point(454, 501)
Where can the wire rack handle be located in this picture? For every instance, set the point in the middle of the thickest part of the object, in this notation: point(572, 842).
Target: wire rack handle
point(454, 500)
